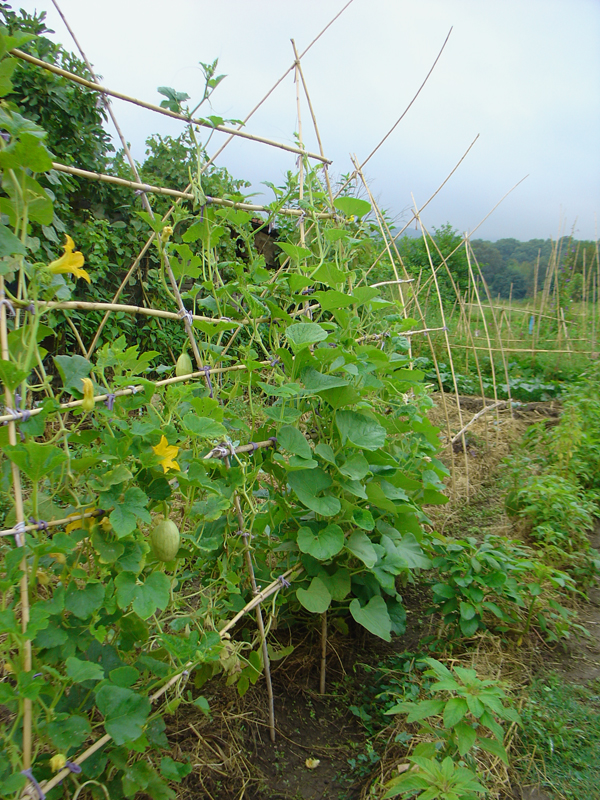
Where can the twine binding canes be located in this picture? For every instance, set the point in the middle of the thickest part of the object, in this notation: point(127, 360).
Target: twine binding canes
point(211, 160)
point(25, 654)
point(110, 396)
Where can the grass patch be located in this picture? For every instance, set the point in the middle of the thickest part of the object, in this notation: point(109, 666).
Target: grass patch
point(561, 731)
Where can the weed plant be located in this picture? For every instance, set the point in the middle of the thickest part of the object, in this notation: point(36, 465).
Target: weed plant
point(497, 585)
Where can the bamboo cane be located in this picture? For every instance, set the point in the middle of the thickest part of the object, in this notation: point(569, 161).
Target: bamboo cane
point(96, 87)
point(26, 659)
point(149, 188)
point(100, 398)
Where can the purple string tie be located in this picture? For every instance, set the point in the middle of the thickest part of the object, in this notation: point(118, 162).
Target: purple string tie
point(110, 401)
point(207, 373)
point(29, 775)
point(10, 309)
point(284, 583)
point(73, 767)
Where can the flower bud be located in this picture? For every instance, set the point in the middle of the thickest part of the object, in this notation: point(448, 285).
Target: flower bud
point(88, 395)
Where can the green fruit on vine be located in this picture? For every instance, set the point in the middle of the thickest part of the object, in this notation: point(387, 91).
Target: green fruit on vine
point(183, 365)
point(165, 540)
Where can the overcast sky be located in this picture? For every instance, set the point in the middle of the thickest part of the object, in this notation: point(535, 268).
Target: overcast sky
point(523, 74)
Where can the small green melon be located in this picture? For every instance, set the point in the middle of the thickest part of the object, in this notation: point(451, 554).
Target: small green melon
point(183, 365)
point(165, 540)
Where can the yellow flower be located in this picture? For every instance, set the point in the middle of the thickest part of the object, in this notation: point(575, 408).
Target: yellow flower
point(57, 762)
point(167, 452)
point(71, 262)
point(88, 395)
point(166, 234)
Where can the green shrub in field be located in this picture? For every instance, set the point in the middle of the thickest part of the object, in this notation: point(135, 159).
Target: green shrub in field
point(498, 585)
point(559, 517)
point(460, 714)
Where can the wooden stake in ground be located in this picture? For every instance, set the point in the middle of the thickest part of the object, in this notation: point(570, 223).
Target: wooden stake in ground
point(26, 661)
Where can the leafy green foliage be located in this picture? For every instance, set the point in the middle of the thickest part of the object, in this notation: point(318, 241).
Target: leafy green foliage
point(339, 498)
point(442, 250)
point(436, 780)
point(464, 713)
point(498, 585)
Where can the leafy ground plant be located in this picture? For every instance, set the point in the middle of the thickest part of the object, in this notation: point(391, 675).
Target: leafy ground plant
point(499, 585)
point(432, 779)
point(462, 713)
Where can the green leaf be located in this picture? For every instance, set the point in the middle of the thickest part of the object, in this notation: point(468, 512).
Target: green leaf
point(307, 483)
point(489, 722)
point(302, 334)
point(323, 545)
point(72, 369)
point(69, 733)
point(424, 709)
point(80, 671)
point(352, 206)
point(82, 603)
point(360, 430)
point(360, 545)
point(363, 518)
point(374, 617)
point(317, 382)
point(293, 441)
point(340, 397)
point(294, 251)
point(494, 747)
point(324, 450)
point(204, 427)
point(108, 551)
point(356, 467)
point(330, 275)
point(9, 243)
point(333, 299)
point(124, 516)
point(339, 584)
point(466, 736)
point(34, 459)
point(410, 551)
point(124, 676)
point(469, 626)
point(125, 712)
point(455, 710)
point(175, 770)
point(145, 597)
point(316, 598)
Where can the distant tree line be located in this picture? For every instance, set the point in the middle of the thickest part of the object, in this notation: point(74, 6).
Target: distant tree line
point(508, 266)
point(510, 263)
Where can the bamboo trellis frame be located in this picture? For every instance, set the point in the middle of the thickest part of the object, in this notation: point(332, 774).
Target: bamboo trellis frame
point(13, 418)
point(96, 87)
